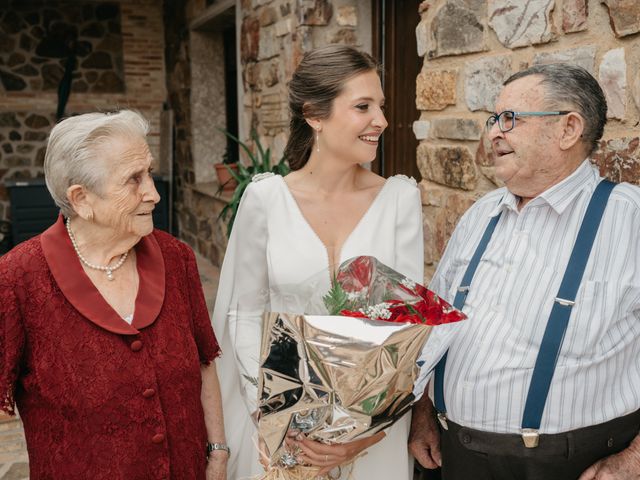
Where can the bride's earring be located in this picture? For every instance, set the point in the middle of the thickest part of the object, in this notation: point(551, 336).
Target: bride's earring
point(318, 140)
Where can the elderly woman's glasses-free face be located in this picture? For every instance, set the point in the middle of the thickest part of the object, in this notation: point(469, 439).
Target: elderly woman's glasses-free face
point(507, 120)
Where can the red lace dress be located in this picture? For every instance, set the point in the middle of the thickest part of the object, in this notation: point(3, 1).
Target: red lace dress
point(100, 398)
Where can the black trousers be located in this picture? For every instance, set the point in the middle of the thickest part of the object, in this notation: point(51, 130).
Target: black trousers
point(469, 454)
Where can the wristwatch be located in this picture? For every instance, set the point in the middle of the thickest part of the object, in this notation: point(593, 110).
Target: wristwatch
point(217, 446)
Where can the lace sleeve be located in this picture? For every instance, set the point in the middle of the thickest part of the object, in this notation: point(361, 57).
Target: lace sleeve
point(12, 337)
point(206, 341)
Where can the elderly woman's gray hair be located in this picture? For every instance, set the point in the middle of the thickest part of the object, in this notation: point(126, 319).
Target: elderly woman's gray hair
point(75, 149)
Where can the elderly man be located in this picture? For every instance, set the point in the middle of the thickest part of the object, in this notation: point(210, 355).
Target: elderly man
point(543, 382)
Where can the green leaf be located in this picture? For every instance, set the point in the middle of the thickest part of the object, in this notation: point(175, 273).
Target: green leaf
point(266, 160)
point(260, 162)
point(413, 311)
point(238, 141)
point(336, 299)
point(256, 139)
point(243, 173)
point(233, 174)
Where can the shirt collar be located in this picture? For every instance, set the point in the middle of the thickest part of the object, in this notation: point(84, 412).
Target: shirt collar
point(560, 195)
point(85, 297)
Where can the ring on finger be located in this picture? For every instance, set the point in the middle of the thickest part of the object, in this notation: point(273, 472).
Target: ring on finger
point(326, 458)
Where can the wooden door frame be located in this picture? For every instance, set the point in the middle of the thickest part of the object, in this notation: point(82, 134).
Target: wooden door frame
point(377, 50)
point(396, 154)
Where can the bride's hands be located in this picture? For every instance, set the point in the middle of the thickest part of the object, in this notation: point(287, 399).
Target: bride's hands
point(328, 457)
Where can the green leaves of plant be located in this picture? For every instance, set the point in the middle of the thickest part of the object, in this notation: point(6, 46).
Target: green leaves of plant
point(336, 299)
point(259, 162)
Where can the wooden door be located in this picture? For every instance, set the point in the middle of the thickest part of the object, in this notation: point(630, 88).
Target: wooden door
point(394, 44)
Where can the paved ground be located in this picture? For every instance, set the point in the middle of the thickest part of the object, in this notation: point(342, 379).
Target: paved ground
point(209, 276)
point(13, 451)
point(14, 463)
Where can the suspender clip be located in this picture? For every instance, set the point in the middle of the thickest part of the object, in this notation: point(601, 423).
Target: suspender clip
point(463, 289)
point(530, 437)
point(442, 418)
point(564, 302)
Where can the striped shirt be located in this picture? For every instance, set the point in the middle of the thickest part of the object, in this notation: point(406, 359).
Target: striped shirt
point(491, 360)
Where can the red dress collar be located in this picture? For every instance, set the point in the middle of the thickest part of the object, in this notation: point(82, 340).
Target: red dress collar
point(85, 297)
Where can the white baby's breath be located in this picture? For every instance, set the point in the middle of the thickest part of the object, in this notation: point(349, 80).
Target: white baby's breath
point(381, 310)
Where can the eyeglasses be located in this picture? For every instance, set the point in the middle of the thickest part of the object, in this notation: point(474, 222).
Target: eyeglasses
point(507, 120)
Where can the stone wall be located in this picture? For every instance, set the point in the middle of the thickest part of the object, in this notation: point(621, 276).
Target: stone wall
point(470, 47)
point(119, 48)
point(274, 36)
point(38, 41)
point(208, 102)
point(196, 206)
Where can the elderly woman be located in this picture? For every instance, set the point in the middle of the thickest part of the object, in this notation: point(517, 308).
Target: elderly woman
point(105, 341)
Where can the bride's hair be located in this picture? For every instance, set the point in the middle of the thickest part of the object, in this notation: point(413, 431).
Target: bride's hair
point(317, 81)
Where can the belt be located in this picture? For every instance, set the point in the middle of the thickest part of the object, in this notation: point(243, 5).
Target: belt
point(616, 433)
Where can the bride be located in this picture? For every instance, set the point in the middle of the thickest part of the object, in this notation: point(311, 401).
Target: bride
point(327, 210)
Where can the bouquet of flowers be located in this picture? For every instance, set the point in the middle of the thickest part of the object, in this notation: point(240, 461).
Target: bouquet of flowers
point(366, 288)
point(353, 371)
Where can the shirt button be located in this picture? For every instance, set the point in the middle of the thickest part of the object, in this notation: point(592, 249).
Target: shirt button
point(158, 438)
point(136, 345)
point(148, 393)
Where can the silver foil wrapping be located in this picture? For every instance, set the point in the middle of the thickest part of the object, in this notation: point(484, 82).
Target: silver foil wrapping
point(334, 378)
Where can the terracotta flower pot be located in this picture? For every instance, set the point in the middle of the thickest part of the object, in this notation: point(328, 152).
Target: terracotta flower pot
point(225, 180)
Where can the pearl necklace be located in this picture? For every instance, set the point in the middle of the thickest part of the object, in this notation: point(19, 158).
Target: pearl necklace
point(106, 268)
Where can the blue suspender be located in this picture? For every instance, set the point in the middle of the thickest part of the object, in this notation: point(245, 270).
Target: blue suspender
point(558, 319)
point(458, 302)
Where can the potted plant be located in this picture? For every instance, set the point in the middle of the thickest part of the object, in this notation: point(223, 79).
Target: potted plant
point(259, 162)
point(223, 172)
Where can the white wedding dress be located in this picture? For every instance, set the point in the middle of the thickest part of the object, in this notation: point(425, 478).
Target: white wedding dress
point(272, 244)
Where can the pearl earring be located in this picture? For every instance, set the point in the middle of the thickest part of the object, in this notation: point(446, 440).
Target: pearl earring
point(317, 140)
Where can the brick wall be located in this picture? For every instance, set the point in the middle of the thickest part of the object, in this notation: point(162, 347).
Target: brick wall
point(27, 116)
point(470, 47)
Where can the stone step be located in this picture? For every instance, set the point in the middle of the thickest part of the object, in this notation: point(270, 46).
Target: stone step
point(15, 446)
point(6, 458)
point(17, 471)
point(12, 436)
point(14, 424)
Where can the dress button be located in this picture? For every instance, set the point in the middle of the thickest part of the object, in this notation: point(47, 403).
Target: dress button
point(158, 438)
point(148, 393)
point(136, 345)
